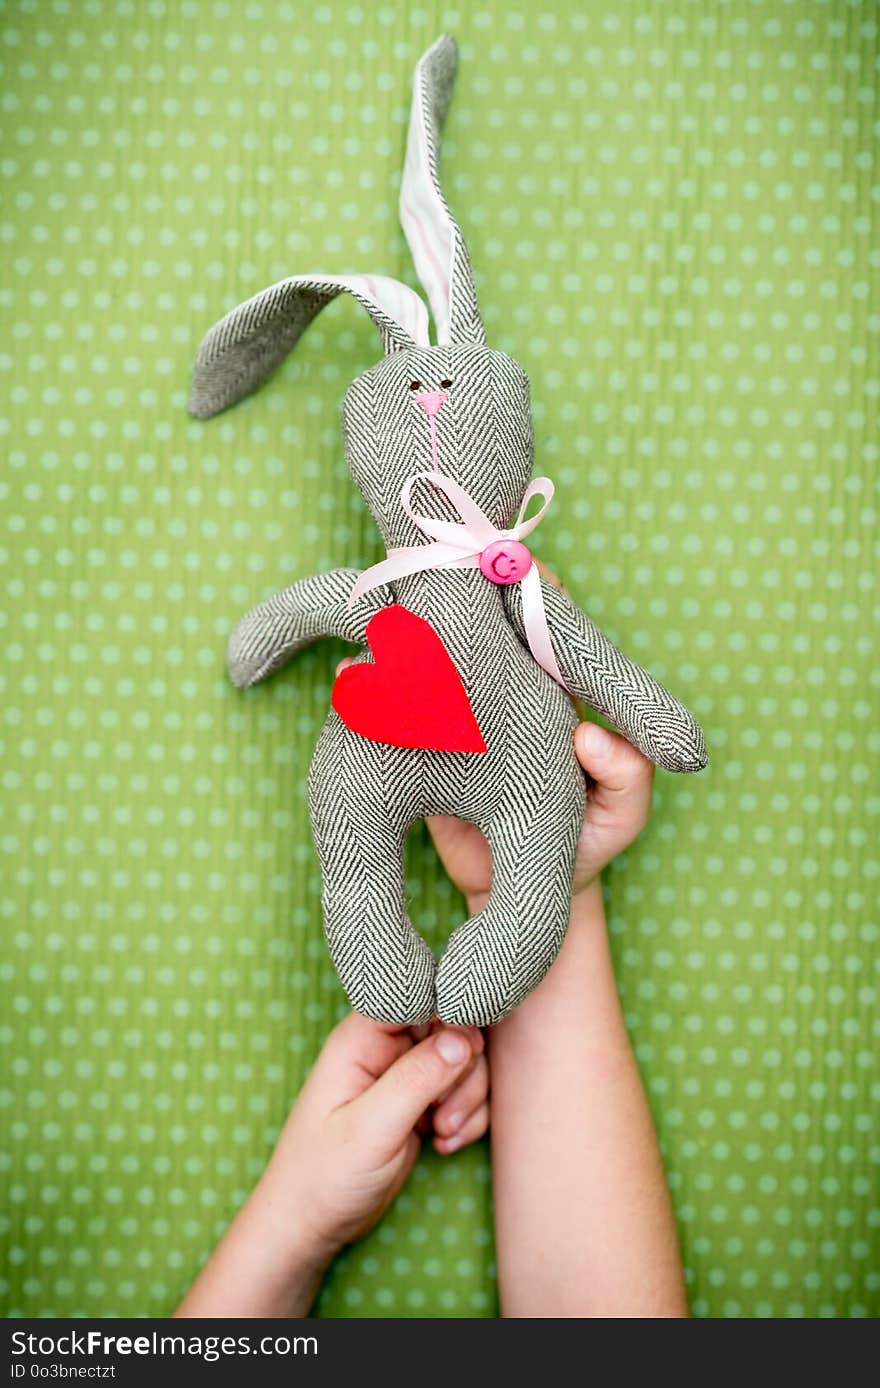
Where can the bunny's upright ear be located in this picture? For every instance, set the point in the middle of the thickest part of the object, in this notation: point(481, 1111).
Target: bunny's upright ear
point(240, 351)
point(435, 240)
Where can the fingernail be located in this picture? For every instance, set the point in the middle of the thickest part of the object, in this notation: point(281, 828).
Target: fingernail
point(453, 1047)
point(451, 1143)
point(454, 1122)
point(594, 740)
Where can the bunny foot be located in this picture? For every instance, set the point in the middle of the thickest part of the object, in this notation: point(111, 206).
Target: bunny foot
point(401, 994)
point(486, 971)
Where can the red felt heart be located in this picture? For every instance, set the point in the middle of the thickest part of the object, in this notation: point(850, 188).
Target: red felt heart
point(413, 695)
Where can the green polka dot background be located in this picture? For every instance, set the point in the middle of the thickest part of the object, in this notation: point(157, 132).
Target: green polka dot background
point(673, 216)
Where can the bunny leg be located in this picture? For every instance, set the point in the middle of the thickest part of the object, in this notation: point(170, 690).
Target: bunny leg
point(498, 956)
point(360, 828)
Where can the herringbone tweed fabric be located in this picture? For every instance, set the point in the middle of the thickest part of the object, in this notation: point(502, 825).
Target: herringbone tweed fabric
point(270, 635)
point(244, 348)
point(526, 791)
point(594, 669)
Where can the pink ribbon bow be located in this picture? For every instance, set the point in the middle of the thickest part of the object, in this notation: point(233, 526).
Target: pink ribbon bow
point(460, 546)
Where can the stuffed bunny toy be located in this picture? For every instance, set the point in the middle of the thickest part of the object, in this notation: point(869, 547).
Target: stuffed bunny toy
point(459, 700)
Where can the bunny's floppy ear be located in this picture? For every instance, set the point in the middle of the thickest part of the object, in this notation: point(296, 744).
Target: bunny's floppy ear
point(240, 351)
point(435, 240)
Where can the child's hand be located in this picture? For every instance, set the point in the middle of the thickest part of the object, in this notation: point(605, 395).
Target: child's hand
point(618, 796)
point(353, 1135)
point(345, 1152)
point(618, 793)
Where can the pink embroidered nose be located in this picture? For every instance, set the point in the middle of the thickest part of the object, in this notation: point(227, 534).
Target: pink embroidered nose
point(505, 561)
point(431, 401)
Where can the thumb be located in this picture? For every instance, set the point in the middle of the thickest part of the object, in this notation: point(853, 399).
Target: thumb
point(390, 1108)
point(619, 797)
point(612, 762)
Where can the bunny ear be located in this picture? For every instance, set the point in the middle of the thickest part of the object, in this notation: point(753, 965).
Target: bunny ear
point(435, 240)
point(240, 351)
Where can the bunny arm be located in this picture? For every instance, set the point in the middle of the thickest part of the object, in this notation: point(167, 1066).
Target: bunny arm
point(272, 633)
point(594, 669)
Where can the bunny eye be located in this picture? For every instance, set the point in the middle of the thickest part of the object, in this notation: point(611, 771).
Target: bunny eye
point(415, 385)
point(445, 382)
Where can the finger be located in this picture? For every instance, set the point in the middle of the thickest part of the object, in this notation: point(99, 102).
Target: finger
point(357, 1051)
point(471, 1131)
point(463, 1100)
point(391, 1107)
point(346, 661)
point(364, 1035)
point(478, 1046)
point(612, 762)
point(474, 1035)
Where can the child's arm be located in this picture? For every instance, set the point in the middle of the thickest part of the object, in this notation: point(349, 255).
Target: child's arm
point(343, 1156)
point(584, 1223)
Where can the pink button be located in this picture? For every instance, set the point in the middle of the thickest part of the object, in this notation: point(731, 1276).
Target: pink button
point(505, 561)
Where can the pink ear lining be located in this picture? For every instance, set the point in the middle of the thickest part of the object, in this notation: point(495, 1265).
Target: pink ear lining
point(395, 299)
point(240, 351)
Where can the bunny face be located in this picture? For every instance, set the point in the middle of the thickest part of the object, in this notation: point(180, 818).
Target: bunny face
point(462, 409)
